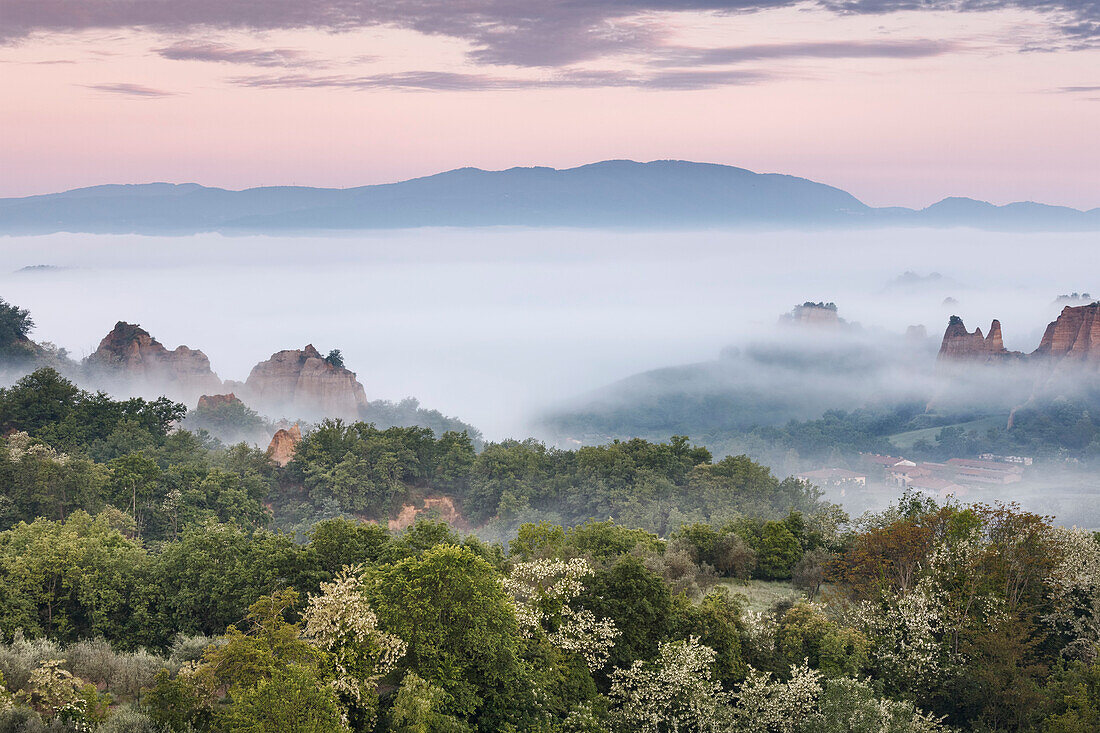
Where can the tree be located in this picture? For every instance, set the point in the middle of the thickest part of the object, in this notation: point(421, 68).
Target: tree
point(56, 694)
point(716, 622)
point(805, 633)
point(851, 706)
point(75, 578)
point(637, 601)
point(338, 543)
point(767, 706)
point(777, 551)
point(448, 605)
point(335, 358)
point(417, 706)
point(358, 655)
point(809, 572)
point(291, 700)
point(676, 691)
point(15, 325)
point(1071, 699)
point(38, 399)
point(543, 591)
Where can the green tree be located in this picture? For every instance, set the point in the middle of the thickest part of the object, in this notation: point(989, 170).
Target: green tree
point(73, 579)
point(416, 709)
point(15, 325)
point(291, 700)
point(777, 551)
point(448, 605)
point(639, 604)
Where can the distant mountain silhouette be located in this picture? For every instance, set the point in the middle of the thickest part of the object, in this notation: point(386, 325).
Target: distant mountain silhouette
point(614, 193)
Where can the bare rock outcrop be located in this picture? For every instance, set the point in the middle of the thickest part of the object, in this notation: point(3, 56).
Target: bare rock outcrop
point(814, 315)
point(283, 445)
point(214, 401)
point(1073, 337)
point(131, 356)
point(443, 506)
point(959, 345)
point(302, 383)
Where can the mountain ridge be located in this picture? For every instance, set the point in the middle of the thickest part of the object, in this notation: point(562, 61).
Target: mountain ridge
point(612, 193)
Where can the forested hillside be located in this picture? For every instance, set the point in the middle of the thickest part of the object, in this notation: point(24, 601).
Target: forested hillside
point(153, 579)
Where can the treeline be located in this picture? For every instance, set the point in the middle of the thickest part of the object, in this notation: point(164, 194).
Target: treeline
point(142, 588)
point(1047, 429)
point(69, 449)
point(931, 617)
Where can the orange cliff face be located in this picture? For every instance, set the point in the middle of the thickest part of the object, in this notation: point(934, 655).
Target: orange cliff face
point(961, 345)
point(301, 383)
point(1072, 339)
point(128, 354)
point(283, 445)
point(297, 383)
point(214, 401)
point(1074, 336)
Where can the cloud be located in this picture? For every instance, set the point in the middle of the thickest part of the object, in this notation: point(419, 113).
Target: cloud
point(130, 90)
point(549, 33)
point(224, 53)
point(902, 49)
point(441, 81)
point(1079, 90)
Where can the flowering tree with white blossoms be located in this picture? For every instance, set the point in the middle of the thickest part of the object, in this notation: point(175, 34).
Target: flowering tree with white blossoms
point(807, 704)
point(906, 636)
point(1074, 587)
point(770, 706)
point(851, 706)
point(340, 621)
point(542, 590)
point(675, 693)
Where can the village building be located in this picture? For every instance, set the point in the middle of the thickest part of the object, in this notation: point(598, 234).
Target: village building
point(833, 477)
point(939, 487)
point(986, 472)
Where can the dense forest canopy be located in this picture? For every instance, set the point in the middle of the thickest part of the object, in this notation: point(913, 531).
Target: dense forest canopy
point(155, 579)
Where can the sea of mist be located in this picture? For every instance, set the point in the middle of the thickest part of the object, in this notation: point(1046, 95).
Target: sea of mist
point(495, 326)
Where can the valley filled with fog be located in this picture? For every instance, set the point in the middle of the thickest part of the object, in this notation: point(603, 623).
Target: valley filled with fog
point(496, 326)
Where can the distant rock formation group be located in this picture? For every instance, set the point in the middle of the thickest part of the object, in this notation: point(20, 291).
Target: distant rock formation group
point(298, 383)
point(301, 382)
point(1073, 338)
point(961, 345)
point(130, 354)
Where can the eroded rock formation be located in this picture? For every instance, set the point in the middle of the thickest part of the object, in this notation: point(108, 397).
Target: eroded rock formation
point(814, 315)
point(301, 383)
point(214, 401)
point(1073, 337)
point(444, 506)
point(283, 445)
point(128, 354)
point(960, 345)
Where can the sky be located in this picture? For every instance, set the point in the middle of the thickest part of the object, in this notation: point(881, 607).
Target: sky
point(897, 101)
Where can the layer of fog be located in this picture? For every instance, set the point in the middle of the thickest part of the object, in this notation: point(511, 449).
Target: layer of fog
point(497, 326)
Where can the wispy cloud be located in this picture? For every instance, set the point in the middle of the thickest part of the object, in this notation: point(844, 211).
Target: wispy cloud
point(226, 54)
point(1079, 90)
point(900, 49)
point(546, 33)
point(441, 81)
point(130, 90)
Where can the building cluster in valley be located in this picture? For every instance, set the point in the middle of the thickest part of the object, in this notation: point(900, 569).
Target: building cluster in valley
point(953, 477)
